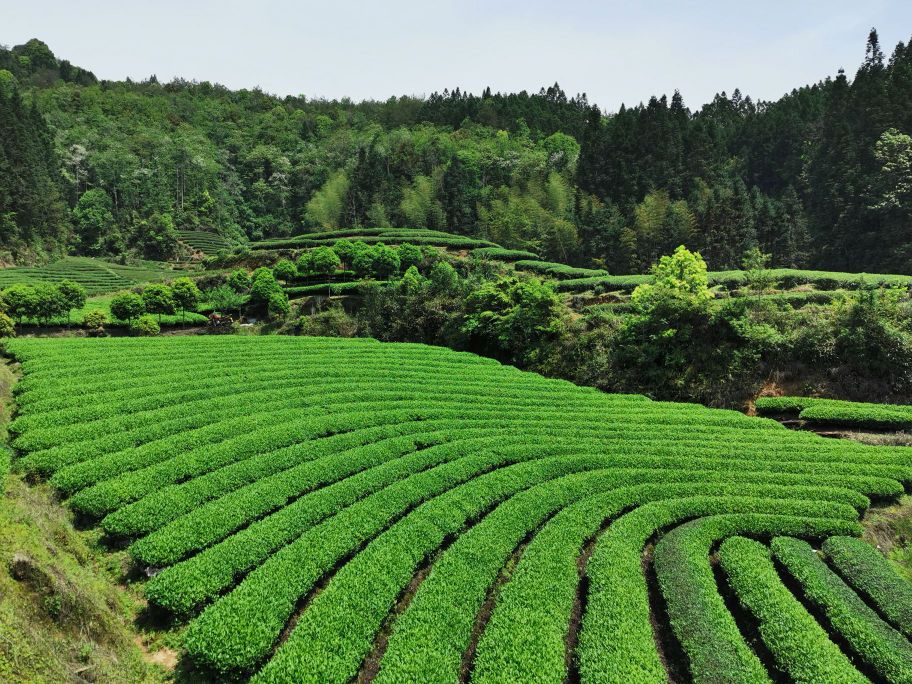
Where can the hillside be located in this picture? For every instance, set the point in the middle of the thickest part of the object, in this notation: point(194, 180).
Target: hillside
point(818, 178)
point(401, 509)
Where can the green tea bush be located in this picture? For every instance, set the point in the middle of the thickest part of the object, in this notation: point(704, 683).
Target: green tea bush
point(839, 412)
point(874, 641)
point(501, 254)
point(872, 575)
point(556, 270)
point(145, 326)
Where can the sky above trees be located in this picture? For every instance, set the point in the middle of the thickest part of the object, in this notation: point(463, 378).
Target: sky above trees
point(614, 51)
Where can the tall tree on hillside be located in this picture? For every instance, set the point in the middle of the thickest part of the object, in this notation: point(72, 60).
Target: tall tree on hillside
point(94, 222)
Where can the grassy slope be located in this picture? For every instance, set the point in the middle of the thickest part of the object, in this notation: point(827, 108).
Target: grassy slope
point(63, 617)
point(889, 528)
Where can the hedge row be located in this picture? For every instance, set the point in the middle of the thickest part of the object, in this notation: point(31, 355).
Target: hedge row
point(872, 575)
point(839, 412)
point(372, 235)
point(871, 639)
point(618, 601)
point(525, 637)
point(800, 646)
point(240, 629)
point(784, 277)
point(557, 270)
point(502, 254)
point(716, 650)
point(331, 289)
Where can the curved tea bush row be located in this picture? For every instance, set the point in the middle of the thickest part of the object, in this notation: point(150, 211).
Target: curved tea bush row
point(393, 236)
point(871, 638)
point(501, 254)
point(800, 646)
point(618, 596)
point(785, 277)
point(525, 638)
point(332, 289)
point(869, 573)
point(715, 648)
point(557, 270)
point(204, 241)
point(240, 629)
point(839, 412)
point(291, 496)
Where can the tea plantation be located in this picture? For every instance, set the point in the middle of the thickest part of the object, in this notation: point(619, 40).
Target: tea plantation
point(389, 236)
point(333, 510)
point(95, 275)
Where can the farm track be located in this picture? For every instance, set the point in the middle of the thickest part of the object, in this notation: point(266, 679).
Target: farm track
point(337, 510)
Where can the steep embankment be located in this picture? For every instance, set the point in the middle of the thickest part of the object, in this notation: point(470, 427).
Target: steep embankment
point(63, 618)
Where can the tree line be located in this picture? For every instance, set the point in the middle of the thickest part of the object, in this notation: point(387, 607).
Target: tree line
point(819, 178)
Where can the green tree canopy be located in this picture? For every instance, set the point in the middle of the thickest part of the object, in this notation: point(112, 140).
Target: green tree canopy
point(158, 299)
point(127, 305)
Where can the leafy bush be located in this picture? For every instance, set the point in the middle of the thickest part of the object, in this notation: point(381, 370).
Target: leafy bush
point(239, 280)
point(265, 290)
point(409, 255)
point(662, 346)
point(332, 322)
point(384, 261)
point(285, 270)
point(277, 307)
point(7, 327)
point(145, 326)
point(513, 319)
point(226, 299)
point(95, 319)
point(73, 294)
point(186, 295)
point(21, 301)
point(323, 261)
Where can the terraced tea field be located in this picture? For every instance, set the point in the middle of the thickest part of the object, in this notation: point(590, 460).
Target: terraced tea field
point(96, 275)
point(336, 510)
point(204, 241)
point(389, 236)
point(786, 277)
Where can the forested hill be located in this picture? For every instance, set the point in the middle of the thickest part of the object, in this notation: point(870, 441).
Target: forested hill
point(821, 177)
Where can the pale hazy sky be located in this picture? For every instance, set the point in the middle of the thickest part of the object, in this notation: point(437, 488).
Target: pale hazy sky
point(614, 51)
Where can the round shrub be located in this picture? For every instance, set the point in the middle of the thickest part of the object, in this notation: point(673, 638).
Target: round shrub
point(277, 305)
point(239, 280)
point(285, 270)
point(324, 261)
point(145, 326)
point(95, 318)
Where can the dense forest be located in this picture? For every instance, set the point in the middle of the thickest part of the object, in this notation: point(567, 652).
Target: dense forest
point(821, 177)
